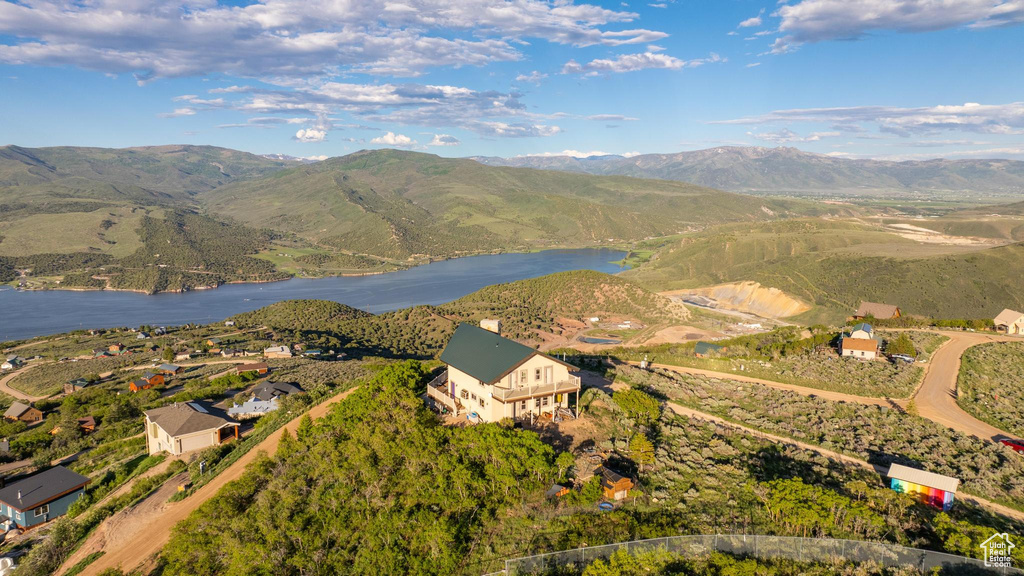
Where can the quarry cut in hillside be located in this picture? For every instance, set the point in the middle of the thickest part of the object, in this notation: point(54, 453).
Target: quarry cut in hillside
point(750, 297)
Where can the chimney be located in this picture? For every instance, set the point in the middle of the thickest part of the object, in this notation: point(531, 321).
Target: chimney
point(19, 494)
point(491, 325)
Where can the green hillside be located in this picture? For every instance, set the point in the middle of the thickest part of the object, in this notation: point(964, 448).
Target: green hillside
point(838, 264)
point(527, 306)
point(398, 204)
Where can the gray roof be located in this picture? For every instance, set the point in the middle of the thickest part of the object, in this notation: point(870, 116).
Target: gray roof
point(16, 409)
point(923, 478)
point(41, 488)
point(169, 367)
point(183, 418)
point(485, 355)
point(268, 390)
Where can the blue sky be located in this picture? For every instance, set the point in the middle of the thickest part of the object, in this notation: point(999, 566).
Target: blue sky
point(899, 79)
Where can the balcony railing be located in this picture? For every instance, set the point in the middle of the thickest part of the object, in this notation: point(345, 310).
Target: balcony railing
point(437, 390)
point(526, 392)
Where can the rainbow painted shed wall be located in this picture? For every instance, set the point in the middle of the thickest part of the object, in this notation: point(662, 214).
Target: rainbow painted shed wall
point(931, 496)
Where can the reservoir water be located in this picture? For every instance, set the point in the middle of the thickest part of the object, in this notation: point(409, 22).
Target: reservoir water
point(28, 314)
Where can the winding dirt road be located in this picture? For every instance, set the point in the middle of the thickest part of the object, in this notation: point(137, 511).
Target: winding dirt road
point(936, 397)
point(129, 550)
point(6, 388)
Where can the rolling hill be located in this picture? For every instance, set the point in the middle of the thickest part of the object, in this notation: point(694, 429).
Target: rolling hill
point(396, 204)
point(788, 170)
point(835, 265)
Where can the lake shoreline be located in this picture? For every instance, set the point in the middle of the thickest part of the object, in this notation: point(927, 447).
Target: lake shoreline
point(31, 313)
point(418, 264)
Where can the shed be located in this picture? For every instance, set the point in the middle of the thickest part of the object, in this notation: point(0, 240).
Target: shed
point(930, 488)
point(614, 486)
point(556, 491)
point(169, 369)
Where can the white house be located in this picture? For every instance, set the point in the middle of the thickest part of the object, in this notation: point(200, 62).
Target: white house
point(186, 426)
point(1010, 322)
point(496, 378)
point(859, 342)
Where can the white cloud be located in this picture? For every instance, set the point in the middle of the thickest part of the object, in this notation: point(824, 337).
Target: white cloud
point(392, 139)
point(295, 38)
point(533, 77)
point(178, 112)
point(577, 154)
point(970, 117)
point(611, 118)
point(787, 136)
point(753, 21)
point(634, 62)
point(819, 20)
point(444, 140)
point(311, 135)
point(753, 64)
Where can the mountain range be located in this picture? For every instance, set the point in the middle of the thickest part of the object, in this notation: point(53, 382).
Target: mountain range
point(787, 170)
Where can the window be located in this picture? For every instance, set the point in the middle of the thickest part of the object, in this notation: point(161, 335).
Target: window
point(537, 402)
point(522, 405)
point(545, 401)
point(482, 402)
point(42, 510)
point(523, 376)
point(152, 430)
point(536, 374)
point(464, 394)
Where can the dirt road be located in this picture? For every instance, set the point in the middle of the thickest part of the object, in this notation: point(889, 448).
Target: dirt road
point(151, 530)
point(827, 395)
point(936, 397)
point(6, 388)
point(691, 413)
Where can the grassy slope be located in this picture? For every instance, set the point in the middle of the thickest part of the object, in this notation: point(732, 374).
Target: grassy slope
point(836, 265)
point(991, 385)
point(395, 204)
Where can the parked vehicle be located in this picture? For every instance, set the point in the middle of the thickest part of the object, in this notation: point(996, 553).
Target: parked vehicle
point(1015, 445)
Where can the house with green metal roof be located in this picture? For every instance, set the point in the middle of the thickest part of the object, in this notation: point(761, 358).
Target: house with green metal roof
point(489, 377)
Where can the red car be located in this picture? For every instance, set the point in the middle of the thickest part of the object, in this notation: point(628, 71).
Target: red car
point(1016, 445)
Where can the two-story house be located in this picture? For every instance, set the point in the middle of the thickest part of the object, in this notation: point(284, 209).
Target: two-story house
point(496, 378)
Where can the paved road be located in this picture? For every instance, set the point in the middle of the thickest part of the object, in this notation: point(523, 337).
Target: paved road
point(936, 397)
point(6, 388)
point(133, 549)
point(691, 413)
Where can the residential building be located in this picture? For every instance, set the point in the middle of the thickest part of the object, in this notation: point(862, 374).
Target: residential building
point(876, 310)
point(154, 379)
point(187, 426)
point(23, 412)
point(169, 369)
point(229, 322)
point(496, 378)
point(260, 368)
point(859, 342)
point(277, 352)
point(1010, 322)
point(41, 497)
point(264, 399)
point(75, 385)
point(139, 384)
point(929, 488)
